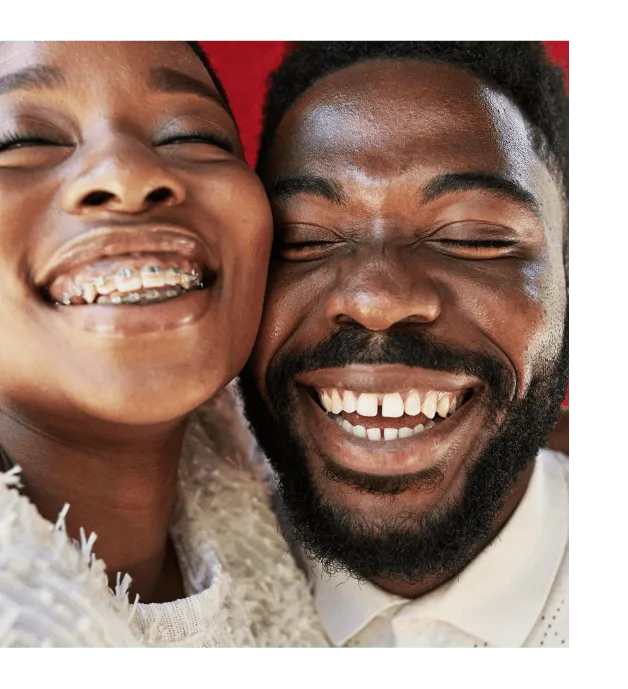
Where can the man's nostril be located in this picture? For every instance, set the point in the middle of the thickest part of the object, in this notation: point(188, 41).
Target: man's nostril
point(159, 195)
point(344, 319)
point(97, 198)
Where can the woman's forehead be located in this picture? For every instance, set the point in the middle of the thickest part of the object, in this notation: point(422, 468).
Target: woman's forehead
point(90, 65)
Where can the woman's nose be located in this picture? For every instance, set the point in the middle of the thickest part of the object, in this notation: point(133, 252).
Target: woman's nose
point(127, 177)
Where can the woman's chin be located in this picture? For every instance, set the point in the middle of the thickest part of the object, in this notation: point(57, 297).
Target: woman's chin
point(141, 407)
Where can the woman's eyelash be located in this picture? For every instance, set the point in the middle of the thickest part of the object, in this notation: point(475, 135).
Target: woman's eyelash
point(200, 137)
point(18, 140)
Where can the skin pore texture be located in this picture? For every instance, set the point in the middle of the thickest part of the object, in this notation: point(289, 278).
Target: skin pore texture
point(132, 232)
point(418, 251)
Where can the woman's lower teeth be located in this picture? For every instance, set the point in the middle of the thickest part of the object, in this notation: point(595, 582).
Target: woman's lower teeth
point(144, 297)
point(381, 433)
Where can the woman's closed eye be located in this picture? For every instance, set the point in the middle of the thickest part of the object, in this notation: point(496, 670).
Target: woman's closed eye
point(15, 141)
point(211, 139)
point(25, 150)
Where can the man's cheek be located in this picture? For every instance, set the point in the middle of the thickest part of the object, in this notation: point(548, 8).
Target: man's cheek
point(284, 312)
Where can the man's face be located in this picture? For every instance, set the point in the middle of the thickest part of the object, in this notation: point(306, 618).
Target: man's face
point(411, 356)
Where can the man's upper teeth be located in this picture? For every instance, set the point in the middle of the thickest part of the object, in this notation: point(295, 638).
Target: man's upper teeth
point(336, 402)
point(413, 403)
point(393, 404)
point(366, 404)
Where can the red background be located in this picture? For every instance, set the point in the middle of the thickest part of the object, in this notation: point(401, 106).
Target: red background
point(243, 67)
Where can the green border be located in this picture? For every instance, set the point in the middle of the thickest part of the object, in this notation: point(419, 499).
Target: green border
point(328, 20)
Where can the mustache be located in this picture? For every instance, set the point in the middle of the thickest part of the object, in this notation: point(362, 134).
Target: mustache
point(414, 348)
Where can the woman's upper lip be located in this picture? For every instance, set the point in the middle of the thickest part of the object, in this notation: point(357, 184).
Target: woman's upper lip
point(108, 241)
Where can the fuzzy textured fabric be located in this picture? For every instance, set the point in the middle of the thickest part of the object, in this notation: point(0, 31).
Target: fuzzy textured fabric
point(242, 584)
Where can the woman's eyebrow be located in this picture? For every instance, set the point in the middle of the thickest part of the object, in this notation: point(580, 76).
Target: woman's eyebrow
point(169, 80)
point(32, 78)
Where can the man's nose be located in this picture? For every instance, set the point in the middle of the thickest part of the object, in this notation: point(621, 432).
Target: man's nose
point(123, 177)
point(382, 293)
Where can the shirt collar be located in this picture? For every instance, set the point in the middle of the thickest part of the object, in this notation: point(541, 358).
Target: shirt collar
point(498, 597)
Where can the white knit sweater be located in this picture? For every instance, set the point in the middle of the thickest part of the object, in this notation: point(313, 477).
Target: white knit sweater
point(243, 587)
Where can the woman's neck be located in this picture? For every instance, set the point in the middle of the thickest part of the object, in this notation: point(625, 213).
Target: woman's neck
point(120, 484)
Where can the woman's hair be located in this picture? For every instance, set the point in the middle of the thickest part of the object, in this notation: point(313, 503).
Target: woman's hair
point(202, 56)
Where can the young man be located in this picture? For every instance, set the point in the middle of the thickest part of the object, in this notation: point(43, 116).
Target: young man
point(413, 354)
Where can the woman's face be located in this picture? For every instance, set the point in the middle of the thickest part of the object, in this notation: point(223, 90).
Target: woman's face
point(134, 239)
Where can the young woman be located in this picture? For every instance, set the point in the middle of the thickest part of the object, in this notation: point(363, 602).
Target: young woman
point(134, 243)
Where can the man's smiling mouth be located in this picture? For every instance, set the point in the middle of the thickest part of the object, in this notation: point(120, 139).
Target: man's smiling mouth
point(392, 415)
point(388, 419)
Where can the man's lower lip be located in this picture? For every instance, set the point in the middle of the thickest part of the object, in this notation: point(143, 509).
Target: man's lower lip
point(119, 321)
point(384, 457)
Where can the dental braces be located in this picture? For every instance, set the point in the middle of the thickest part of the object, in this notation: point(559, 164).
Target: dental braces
point(179, 281)
point(140, 297)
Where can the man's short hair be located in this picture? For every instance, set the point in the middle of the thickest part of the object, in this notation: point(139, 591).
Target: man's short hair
point(521, 70)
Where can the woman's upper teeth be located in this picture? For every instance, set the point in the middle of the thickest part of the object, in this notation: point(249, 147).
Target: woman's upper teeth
point(126, 280)
point(392, 404)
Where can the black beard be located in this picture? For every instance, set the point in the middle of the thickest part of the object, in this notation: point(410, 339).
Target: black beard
point(406, 547)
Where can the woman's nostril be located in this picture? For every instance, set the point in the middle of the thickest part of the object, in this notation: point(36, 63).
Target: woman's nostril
point(102, 198)
point(159, 195)
point(97, 198)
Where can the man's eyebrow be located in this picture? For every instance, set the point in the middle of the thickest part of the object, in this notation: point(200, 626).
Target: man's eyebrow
point(169, 80)
point(32, 79)
point(488, 181)
point(290, 185)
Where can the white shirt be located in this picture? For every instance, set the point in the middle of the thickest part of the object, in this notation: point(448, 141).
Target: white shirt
point(514, 593)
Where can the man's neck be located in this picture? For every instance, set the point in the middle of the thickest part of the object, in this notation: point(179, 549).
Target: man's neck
point(120, 484)
point(416, 589)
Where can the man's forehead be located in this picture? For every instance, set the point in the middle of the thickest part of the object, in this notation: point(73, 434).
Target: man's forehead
point(384, 122)
point(402, 113)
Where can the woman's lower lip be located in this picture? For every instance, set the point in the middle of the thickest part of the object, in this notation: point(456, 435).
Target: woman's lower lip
point(384, 458)
point(120, 321)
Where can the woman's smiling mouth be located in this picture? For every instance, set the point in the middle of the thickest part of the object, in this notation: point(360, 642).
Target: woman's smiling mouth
point(138, 279)
point(97, 280)
point(134, 264)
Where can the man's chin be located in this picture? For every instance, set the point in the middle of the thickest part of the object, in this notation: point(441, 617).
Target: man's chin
point(386, 479)
point(425, 503)
point(381, 536)
point(400, 527)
